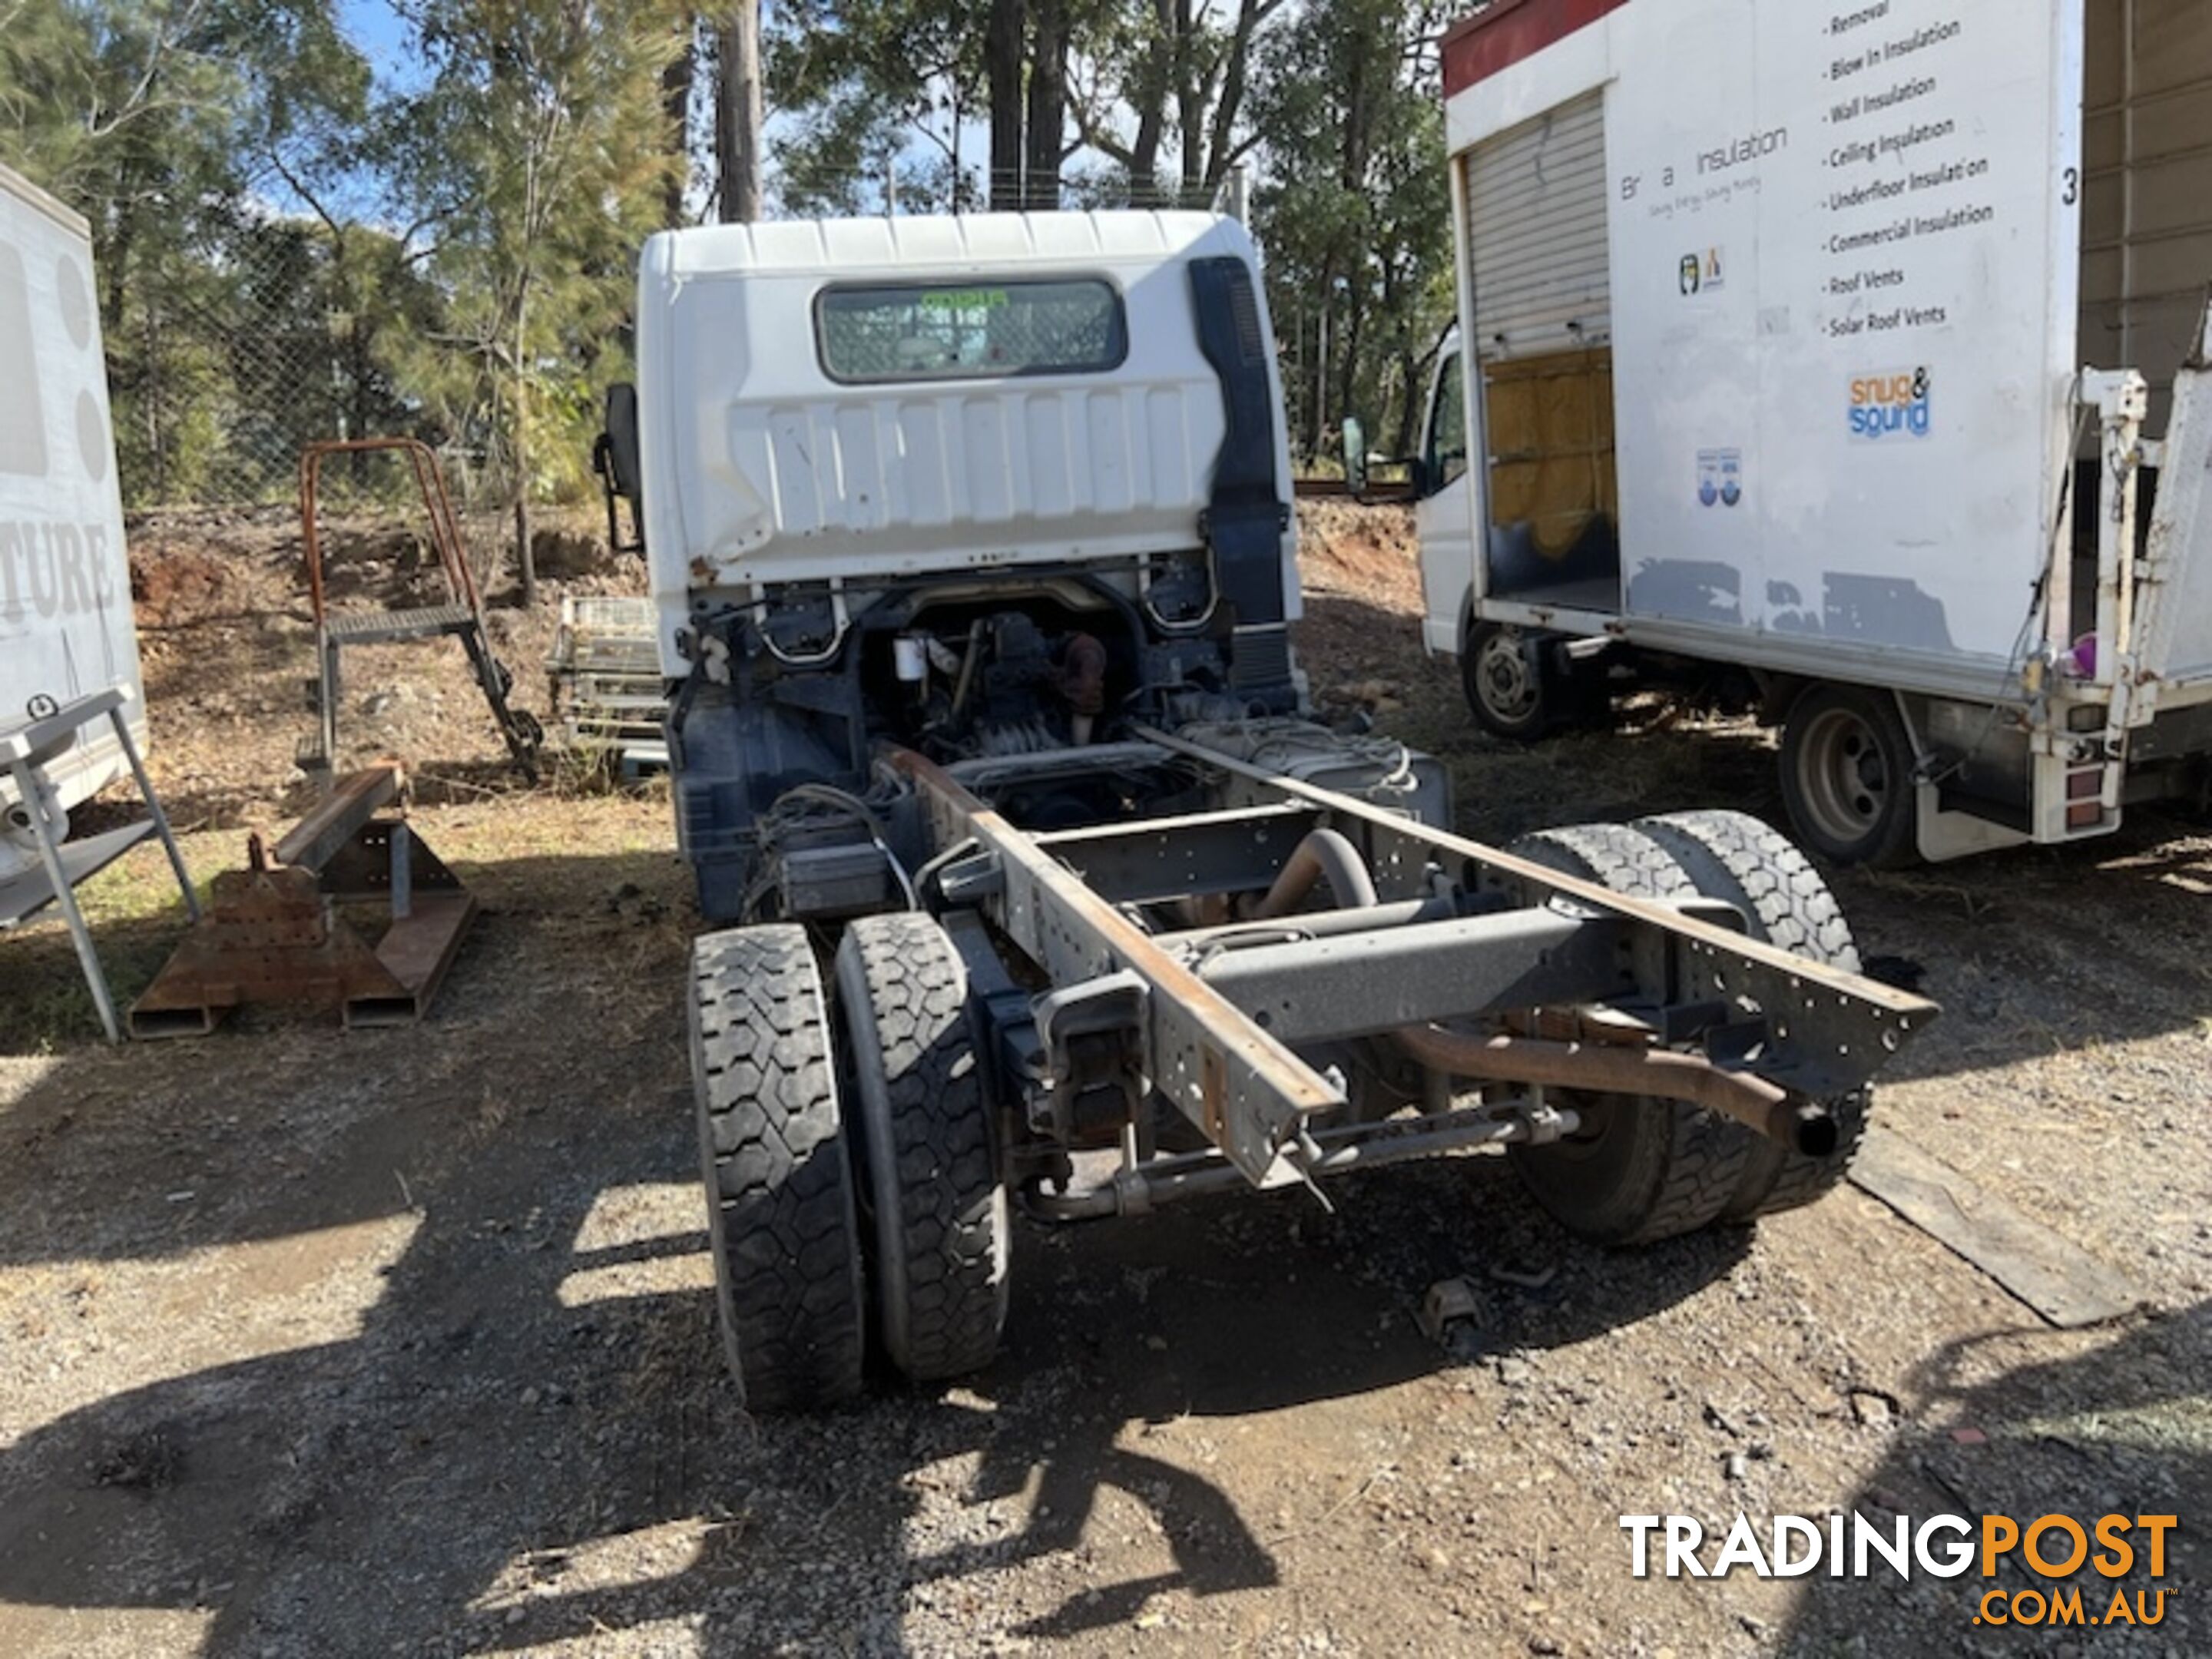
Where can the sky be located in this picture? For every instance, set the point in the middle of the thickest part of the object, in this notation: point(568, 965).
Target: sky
point(375, 27)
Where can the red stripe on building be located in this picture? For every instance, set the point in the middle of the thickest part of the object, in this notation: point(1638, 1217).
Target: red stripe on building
point(1478, 47)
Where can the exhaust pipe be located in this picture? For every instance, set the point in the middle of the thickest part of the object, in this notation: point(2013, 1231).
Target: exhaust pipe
point(1804, 1126)
point(1323, 852)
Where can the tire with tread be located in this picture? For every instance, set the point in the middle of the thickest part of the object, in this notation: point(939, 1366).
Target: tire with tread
point(1837, 739)
point(927, 1168)
point(1757, 868)
point(1641, 1168)
point(780, 1200)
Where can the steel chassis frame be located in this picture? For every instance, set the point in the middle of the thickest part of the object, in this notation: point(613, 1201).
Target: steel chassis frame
point(1476, 961)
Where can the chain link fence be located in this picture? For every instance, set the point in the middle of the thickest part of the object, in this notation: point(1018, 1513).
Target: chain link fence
point(229, 352)
point(232, 346)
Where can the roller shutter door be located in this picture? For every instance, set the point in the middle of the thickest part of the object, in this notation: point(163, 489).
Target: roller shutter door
point(2147, 188)
point(1536, 223)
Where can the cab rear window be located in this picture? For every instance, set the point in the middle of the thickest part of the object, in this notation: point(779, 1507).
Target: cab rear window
point(969, 331)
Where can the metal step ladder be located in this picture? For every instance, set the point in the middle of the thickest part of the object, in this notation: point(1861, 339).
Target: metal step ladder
point(461, 616)
point(34, 814)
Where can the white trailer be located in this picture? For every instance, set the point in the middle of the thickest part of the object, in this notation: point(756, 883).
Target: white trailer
point(66, 630)
point(1774, 325)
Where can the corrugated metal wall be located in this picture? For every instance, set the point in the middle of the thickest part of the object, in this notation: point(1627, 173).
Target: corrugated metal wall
point(1536, 220)
point(2146, 186)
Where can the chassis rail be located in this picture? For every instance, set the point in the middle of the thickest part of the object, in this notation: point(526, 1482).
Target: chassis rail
point(1467, 962)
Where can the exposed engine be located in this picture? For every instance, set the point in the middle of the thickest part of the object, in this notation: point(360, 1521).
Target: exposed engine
point(1004, 687)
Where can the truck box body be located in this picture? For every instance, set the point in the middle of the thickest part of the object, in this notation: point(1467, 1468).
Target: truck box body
point(66, 621)
point(1774, 319)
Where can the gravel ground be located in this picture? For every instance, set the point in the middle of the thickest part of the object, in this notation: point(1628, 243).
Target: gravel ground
point(403, 1342)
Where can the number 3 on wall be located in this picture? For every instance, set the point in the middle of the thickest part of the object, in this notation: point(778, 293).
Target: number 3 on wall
point(2072, 194)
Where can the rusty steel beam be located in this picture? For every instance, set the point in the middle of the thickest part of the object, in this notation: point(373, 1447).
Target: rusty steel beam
point(416, 950)
point(272, 933)
point(1250, 1095)
point(315, 840)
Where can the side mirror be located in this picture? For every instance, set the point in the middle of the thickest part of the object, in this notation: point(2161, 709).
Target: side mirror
point(1417, 477)
point(1355, 456)
point(615, 458)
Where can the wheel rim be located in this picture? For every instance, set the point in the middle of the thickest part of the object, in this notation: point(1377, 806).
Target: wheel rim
point(1846, 777)
point(1599, 1122)
point(1503, 681)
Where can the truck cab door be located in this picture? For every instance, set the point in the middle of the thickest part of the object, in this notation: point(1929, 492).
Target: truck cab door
point(1443, 515)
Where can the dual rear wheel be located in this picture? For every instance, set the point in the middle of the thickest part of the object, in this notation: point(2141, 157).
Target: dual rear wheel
point(853, 1201)
point(1640, 1169)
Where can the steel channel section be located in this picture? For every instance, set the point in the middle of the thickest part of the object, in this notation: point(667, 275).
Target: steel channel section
point(1191, 856)
point(1367, 1146)
point(1312, 924)
point(317, 838)
point(1242, 1086)
point(1314, 990)
point(1827, 1031)
point(988, 772)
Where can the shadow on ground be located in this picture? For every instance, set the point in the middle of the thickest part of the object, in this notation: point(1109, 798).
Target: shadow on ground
point(2122, 1426)
point(524, 1418)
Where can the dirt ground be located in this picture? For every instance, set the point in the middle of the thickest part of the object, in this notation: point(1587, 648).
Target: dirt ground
point(402, 1342)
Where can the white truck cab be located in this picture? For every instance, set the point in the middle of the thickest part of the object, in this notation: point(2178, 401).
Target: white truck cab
point(982, 485)
point(972, 540)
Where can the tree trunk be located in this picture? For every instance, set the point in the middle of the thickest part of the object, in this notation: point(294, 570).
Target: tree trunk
point(1320, 413)
point(1047, 106)
point(1409, 402)
point(1148, 92)
point(1347, 356)
point(526, 556)
point(1190, 105)
point(739, 114)
point(676, 83)
point(1002, 71)
point(1221, 151)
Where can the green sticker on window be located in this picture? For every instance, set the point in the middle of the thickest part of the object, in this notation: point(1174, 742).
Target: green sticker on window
point(961, 299)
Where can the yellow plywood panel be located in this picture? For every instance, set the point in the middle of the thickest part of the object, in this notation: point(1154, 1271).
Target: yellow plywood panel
point(1550, 431)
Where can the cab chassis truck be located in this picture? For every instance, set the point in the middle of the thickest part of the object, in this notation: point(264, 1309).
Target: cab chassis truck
point(1032, 887)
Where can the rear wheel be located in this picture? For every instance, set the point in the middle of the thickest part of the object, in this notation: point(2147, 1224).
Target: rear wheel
point(1637, 1169)
point(1734, 856)
point(930, 1179)
point(779, 1207)
point(1847, 776)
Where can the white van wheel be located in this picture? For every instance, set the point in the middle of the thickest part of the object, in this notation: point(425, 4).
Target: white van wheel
point(1508, 691)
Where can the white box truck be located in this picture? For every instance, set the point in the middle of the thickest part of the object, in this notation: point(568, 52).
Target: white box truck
point(1773, 327)
point(66, 630)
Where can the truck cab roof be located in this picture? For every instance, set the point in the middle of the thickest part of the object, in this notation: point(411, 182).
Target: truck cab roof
point(858, 400)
